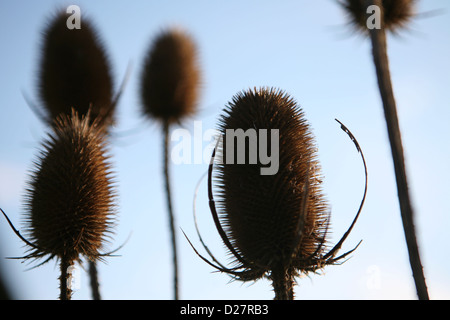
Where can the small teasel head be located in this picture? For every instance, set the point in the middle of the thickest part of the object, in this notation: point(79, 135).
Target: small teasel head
point(396, 13)
point(70, 197)
point(274, 225)
point(75, 72)
point(170, 77)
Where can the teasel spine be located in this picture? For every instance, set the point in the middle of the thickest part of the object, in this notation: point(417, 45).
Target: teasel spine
point(381, 61)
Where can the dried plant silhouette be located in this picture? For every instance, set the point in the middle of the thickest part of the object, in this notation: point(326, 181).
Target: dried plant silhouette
point(75, 72)
point(395, 14)
point(274, 226)
point(70, 197)
point(169, 93)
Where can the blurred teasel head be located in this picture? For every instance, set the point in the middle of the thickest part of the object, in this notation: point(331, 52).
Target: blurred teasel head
point(75, 72)
point(170, 77)
point(274, 225)
point(70, 197)
point(396, 13)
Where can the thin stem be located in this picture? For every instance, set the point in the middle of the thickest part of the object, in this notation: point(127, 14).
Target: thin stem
point(64, 279)
point(93, 275)
point(379, 51)
point(170, 209)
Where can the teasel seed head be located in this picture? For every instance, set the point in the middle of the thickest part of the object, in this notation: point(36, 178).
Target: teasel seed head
point(70, 198)
point(170, 77)
point(75, 72)
point(262, 213)
point(396, 13)
point(274, 224)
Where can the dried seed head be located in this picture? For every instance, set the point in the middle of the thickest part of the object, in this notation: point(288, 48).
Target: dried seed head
point(70, 197)
point(75, 72)
point(274, 224)
point(265, 216)
point(397, 13)
point(170, 77)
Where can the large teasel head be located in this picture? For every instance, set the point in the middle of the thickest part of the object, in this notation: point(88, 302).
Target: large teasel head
point(263, 213)
point(170, 77)
point(396, 13)
point(75, 72)
point(274, 224)
point(70, 197)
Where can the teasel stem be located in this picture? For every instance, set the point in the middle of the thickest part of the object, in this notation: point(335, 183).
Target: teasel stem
point(283, 283)
point(379, 51)
point(65, 289)
point(170, 207)
point(93, 276)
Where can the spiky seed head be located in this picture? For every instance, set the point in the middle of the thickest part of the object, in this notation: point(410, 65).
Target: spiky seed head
point(263, 214)
point(75, 72)
point(397, 13)
point(70, 198)
point(170, 77)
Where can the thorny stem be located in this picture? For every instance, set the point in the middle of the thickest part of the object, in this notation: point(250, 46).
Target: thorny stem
point(64, 279)
point(283, 283)
point(170, 209)
point(379, 51)
point(93, 275)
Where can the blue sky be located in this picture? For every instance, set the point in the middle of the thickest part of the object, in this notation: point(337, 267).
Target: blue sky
point(303, 47)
